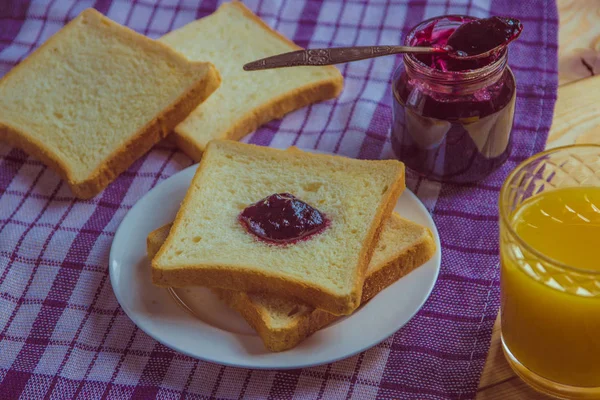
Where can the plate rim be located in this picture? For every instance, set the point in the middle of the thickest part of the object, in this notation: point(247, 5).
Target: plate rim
point(137, 319)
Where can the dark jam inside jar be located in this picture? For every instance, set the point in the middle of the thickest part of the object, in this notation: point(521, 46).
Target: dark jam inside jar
point(282, 218)
point(452, 117)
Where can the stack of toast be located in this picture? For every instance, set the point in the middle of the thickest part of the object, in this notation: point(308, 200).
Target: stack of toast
point(287, 292)
point(96, 96)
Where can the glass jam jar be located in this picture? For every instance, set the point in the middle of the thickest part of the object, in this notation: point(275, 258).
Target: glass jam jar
point(452, 119)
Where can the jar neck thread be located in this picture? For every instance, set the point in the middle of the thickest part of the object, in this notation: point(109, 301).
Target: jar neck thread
point(456, 82)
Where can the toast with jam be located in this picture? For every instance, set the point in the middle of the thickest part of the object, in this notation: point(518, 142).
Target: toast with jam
point(291, 223)
point(282, 323)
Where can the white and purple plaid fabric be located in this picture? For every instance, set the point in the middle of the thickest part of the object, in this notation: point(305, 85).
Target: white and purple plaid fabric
point(62, 333)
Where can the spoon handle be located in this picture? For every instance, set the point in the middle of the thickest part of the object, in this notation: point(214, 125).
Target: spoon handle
point(331, 56)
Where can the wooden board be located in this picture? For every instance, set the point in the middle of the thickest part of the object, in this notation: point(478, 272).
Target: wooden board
point(579, 40)
point(577, 113)
point(576, 120)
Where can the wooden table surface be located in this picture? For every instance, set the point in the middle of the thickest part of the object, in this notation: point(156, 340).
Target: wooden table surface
point(576, 120)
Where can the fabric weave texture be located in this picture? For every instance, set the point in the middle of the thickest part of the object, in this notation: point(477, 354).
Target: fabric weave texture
point(62, 332)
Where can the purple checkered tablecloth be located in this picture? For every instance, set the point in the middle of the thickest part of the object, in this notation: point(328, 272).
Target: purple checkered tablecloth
point(62, 332)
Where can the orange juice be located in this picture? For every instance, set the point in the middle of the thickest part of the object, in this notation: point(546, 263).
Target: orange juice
point(551, 313)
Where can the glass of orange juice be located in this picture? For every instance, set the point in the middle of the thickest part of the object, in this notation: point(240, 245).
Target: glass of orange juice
point(550, 271)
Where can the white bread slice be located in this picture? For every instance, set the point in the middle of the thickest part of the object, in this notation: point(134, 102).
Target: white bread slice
point(282, 323)
point(229, 38)
point(95, 97)
point(207, 245)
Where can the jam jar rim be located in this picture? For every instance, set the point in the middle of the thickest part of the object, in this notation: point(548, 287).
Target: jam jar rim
point(446, 81)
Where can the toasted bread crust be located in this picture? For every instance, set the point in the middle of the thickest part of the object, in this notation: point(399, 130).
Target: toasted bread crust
point(383, 213)
point(152, 133)
point(274, 109)
point(293, 334)
point(248, 13)
point(275, 339)
point(396, 268)
point(137, 145)
point(239, 279)
point(309, 322)
point(305, 325)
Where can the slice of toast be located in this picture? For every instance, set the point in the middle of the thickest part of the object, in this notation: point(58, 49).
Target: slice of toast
point(95, 97)
point(208, 246)
point(282, 323)
point(231, 37)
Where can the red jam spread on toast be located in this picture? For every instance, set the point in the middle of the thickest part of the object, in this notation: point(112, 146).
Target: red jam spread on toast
point(281, 218)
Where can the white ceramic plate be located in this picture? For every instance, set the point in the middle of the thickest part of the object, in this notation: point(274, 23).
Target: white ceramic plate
point(220, 335)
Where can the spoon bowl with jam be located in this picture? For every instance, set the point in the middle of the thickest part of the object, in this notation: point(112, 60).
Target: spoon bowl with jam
point(481, 38)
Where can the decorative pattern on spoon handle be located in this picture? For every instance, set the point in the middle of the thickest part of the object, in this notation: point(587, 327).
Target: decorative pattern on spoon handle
point(330, 56)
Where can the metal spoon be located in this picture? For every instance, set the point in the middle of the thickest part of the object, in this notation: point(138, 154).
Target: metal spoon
point(338, 55)
point(334, 55)
point(330, 56)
